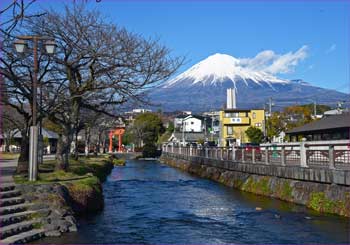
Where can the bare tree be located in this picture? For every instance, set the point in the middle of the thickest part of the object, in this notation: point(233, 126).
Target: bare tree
point(98, 66)
point(15, 13)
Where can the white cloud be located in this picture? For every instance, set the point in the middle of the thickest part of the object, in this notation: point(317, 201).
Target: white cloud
point(331, 48)
point(270, 62)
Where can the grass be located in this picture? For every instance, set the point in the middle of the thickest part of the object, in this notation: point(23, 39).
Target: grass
point(8, 156)
point(83, 168)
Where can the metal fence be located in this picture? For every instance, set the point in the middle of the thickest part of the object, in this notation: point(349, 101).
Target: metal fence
point(315, 154)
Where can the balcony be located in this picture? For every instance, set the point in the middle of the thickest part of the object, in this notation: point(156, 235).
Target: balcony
point(237, 120)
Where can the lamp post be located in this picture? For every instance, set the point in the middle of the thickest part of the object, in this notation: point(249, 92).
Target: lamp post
point(21, 45)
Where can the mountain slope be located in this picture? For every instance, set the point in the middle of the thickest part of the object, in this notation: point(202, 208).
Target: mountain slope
point(203, 87)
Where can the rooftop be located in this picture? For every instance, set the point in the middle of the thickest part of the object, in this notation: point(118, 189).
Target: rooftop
point(330, 122)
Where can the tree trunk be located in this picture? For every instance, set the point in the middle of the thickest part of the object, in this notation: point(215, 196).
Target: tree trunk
point(87, 141)
point(63, 150)
point(7, 144)
point(76, 151)
point(23, 160)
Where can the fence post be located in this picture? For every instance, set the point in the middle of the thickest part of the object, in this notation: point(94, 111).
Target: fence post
point(253, 155)
point(180, 149)
point(283, 156)
point(221, 153)
point(206, 152)
point(266, 155)
point(172, 148)
point(331, 157)
point(303, 159)
point(233, 153)
point(191, 150)
point(242, 154)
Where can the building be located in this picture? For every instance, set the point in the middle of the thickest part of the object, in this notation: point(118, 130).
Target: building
point(193, 123)
point(129, 116)
point(336, 127)
point(234, 123)
point(50, 141)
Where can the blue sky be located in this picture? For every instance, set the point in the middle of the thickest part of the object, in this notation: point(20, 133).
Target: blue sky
point(309, 40)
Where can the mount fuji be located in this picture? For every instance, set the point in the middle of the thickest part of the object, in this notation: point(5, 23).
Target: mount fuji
point(203, 87)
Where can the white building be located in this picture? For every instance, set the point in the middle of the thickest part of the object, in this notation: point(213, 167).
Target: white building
point(193, 124)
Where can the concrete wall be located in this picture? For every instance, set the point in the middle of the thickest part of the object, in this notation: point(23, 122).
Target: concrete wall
point(323, 190)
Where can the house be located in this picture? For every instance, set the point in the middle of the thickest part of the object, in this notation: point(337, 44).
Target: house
point(184, 138)
point(193, 123)
point(335, 127)
point(234, 123)
point(50, 141)
point(130, 116)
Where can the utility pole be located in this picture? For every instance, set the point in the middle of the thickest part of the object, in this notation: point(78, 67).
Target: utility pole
point(183, 132)
point(270, 106)
point(270, 114)
point(315, 112)
point(265, 134)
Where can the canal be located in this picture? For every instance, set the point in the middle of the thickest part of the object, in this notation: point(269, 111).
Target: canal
point(148, 202)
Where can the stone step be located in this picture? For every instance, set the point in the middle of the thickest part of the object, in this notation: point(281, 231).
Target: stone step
point(14, 229)
point(7, 187)
point(14, 208)
point(11, 201)
point(24, 237)
point(8, 194)
point(9, 219)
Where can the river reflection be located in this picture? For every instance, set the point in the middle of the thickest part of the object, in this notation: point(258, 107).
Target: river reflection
point(148, 202)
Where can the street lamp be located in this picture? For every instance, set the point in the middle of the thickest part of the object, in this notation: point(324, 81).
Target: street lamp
point(21, 45)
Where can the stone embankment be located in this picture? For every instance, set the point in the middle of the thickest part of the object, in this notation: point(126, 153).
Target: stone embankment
point(323, 197)
point(31, 211)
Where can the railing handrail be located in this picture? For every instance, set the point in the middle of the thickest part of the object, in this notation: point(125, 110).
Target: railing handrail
point(303, 154)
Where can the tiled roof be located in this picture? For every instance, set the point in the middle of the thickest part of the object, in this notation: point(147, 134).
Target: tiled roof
point(329, 122)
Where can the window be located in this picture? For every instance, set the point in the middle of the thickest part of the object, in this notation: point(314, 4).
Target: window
point(229, 130)
point(254, 115)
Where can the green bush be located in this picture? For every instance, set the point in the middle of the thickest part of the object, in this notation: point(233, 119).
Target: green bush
point(149, 150)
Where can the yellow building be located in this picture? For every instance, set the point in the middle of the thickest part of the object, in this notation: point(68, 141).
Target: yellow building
point(234, 123)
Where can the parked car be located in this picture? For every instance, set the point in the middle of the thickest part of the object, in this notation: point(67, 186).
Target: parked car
point(209, 144)
point(250, 146)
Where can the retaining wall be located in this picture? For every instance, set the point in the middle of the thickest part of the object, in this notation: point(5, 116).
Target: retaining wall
point(324, 190)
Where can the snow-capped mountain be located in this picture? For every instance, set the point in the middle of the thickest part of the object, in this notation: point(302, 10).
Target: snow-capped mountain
point(203, 87)
point(219, 68)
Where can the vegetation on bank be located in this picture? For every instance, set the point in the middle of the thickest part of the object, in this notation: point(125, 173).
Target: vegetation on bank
point(8, 156)
point(82, 171)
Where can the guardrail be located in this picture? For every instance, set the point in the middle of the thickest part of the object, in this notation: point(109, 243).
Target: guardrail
point(315, 154)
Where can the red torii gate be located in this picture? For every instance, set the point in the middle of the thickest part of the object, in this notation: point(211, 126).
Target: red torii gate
point(117, 132)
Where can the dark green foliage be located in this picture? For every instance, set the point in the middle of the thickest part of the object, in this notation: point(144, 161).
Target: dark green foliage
point(254, 134)
point(149, 150)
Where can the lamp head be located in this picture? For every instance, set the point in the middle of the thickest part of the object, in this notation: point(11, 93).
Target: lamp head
point(20, 45)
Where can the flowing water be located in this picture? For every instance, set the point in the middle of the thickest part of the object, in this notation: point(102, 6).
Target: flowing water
point(148, 202)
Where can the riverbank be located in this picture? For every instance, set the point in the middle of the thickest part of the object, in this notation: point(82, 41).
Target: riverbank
point(59, 197)
point(322, 197)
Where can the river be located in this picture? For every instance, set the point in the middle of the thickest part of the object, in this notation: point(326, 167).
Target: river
point(149, 202)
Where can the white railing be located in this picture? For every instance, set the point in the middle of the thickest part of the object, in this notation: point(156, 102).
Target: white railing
point(324, 154)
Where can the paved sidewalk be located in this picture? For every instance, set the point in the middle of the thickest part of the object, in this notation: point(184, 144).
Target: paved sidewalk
point(8, 168)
